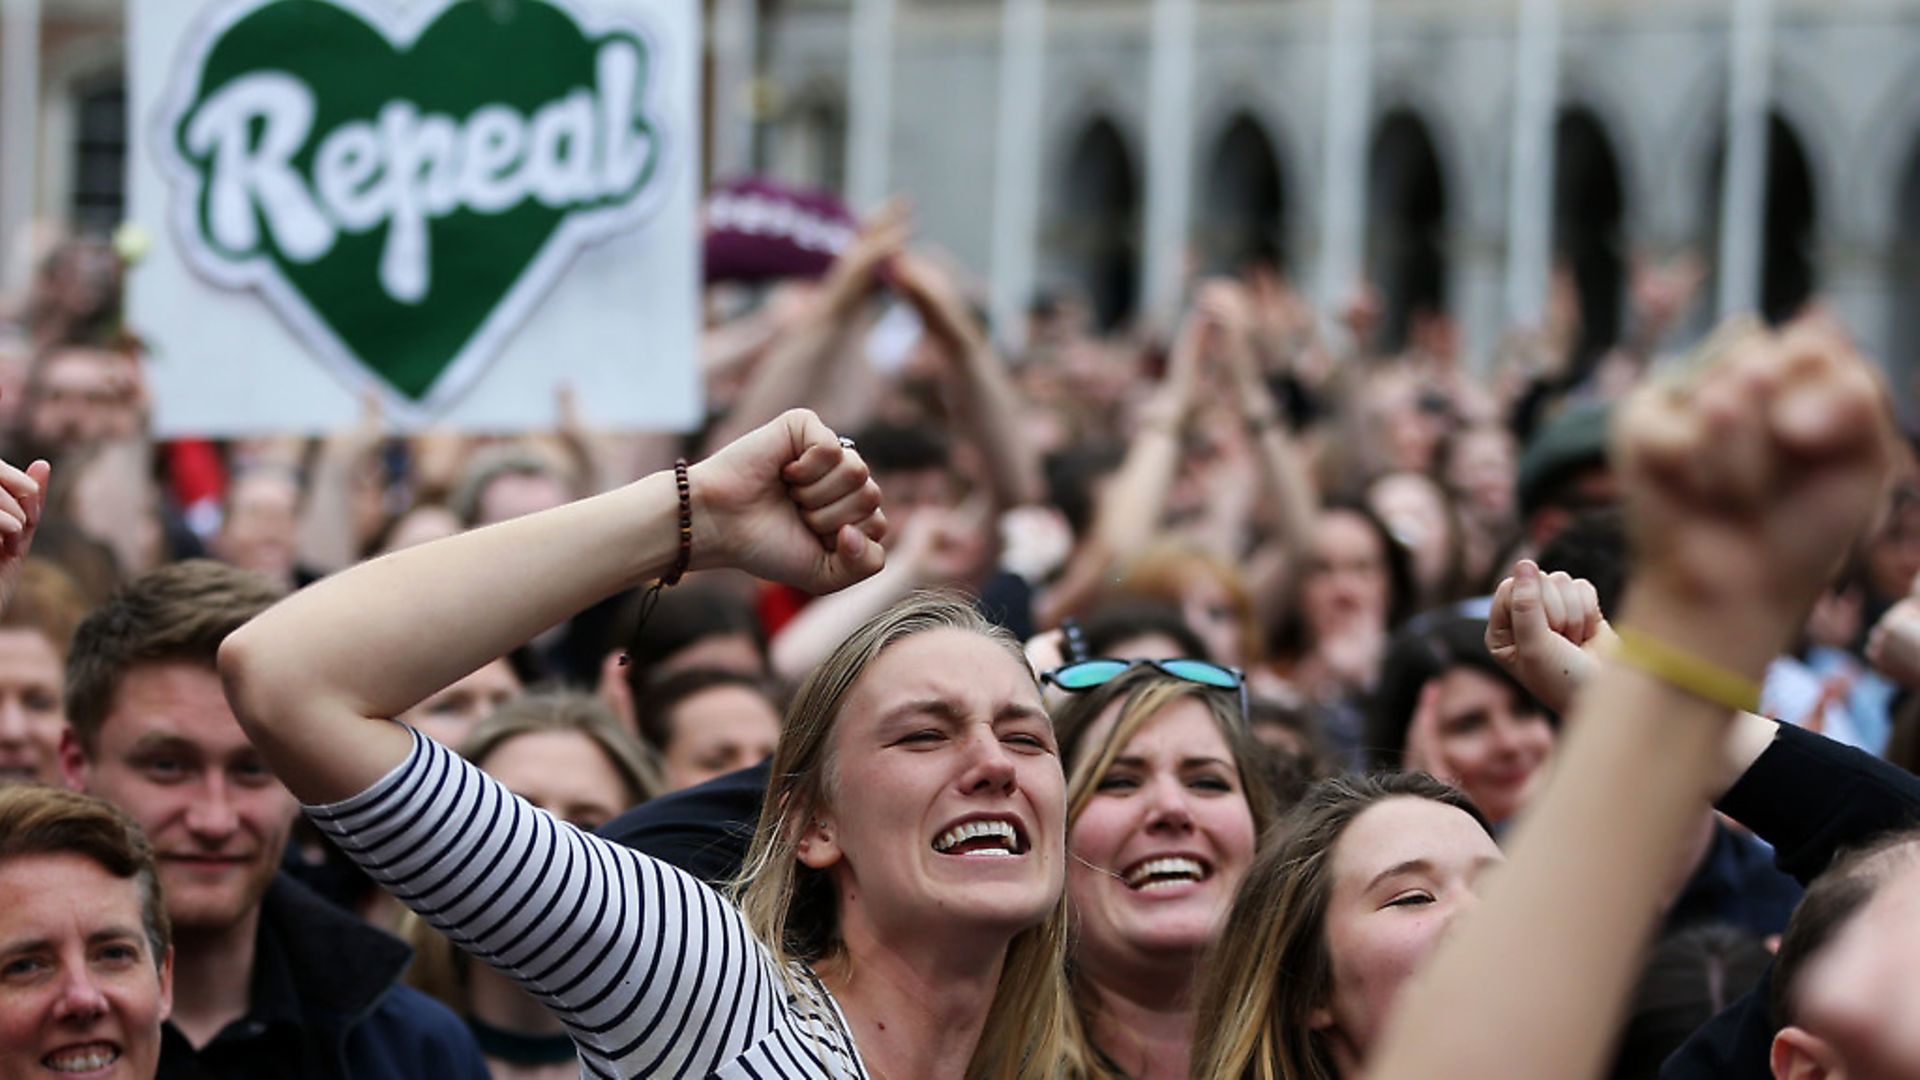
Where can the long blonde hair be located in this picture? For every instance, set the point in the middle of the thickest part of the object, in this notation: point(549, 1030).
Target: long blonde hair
point(1143, 693)
point(1271, 967)
point(790, 908)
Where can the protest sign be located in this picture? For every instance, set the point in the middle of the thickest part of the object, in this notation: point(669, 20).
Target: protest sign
point(455, 205)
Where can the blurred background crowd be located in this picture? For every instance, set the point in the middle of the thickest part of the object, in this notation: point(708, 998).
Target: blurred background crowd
point(1210, 450)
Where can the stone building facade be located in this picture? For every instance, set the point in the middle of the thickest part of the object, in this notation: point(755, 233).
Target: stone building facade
point(1641, 130)
point(1640, 136)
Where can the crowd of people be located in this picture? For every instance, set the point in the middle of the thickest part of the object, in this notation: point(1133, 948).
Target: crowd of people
point(1260, 696)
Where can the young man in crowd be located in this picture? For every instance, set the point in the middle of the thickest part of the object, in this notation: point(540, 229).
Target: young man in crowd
point(269, 979)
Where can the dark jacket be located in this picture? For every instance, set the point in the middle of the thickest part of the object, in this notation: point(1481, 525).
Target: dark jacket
point(326, 1004)
point(1737, 885)
point(1809, 797)
point(704, 830)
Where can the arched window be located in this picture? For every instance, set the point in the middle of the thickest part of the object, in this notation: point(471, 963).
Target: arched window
point(1788, 235)
point(1588, 204)
point(1406, 225)
point(1097, 234)
point(99, 200)
point(1243, 217)
point(1787, 245)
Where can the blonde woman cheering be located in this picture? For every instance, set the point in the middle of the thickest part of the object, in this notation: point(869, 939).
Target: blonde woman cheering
point(904, 915)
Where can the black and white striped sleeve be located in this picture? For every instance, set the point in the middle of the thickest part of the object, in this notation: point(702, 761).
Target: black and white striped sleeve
point(653, 972)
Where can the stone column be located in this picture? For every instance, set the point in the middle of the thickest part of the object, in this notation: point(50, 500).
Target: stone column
point(1343, 186)
point(1169, 157)
point(870, 104)
point(1743, 199)
point(19, 135)
point(1530, 190)
point(736, 43)
point(1016, 167)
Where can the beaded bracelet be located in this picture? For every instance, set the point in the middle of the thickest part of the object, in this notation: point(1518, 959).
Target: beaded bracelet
point(651, 597)
point(685, 488)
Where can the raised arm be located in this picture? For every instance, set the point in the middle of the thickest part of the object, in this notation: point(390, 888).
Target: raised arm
point(314, 679)
point(1744, 486)
point(1132, 503)
point(799, 366)
point(326, 539)
point(1286, 487)
point(985, 402)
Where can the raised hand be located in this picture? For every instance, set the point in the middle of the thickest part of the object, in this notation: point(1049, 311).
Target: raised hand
point(1546, 631)
point(1893, 646)
point(1228, 311)
point(1422, 750)
point(943, 309)
point(856, 272)
point(788, 502)
point(23, 495)
point(1744, 484)
point(1171, 404)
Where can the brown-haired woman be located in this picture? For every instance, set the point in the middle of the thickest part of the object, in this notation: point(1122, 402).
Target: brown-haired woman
point(1332, 919)
point(1166, 802)
point(85, 945)
point(904, 913)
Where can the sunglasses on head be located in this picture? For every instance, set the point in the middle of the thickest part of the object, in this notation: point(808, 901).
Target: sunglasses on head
point(1084, 675)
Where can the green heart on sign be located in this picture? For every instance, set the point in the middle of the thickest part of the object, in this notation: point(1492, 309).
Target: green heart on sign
point(403, 195)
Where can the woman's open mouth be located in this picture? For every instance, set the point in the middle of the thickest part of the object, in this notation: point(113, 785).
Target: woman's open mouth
point(1165, 872)
point(990, 837)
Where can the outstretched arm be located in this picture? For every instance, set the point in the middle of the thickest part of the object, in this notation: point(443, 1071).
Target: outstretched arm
point(314, 678)
point(1743, 489)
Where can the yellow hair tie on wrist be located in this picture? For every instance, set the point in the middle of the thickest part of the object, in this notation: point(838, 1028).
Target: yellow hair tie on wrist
point(1685, 671)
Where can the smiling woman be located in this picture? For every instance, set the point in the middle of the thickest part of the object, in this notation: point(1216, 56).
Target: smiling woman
point(872, 939)
point(1445, 707)
point(1165, 804)
point(918, 754)
point(86, 956)
point(1369, 872)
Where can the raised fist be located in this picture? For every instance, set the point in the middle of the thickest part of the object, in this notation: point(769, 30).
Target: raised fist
point(788, 502)
point(1745, 480)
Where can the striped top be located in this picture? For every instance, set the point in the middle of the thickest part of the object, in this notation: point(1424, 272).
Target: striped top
point(653, 973)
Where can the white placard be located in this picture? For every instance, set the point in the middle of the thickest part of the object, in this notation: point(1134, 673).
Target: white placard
point(457, 205)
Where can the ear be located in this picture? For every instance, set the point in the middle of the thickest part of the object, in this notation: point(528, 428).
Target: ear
point(817, 848)
point(613, 690)
point(1798, 1054)
point(73, 760)
point(166, 984)
point(1320, 1019)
